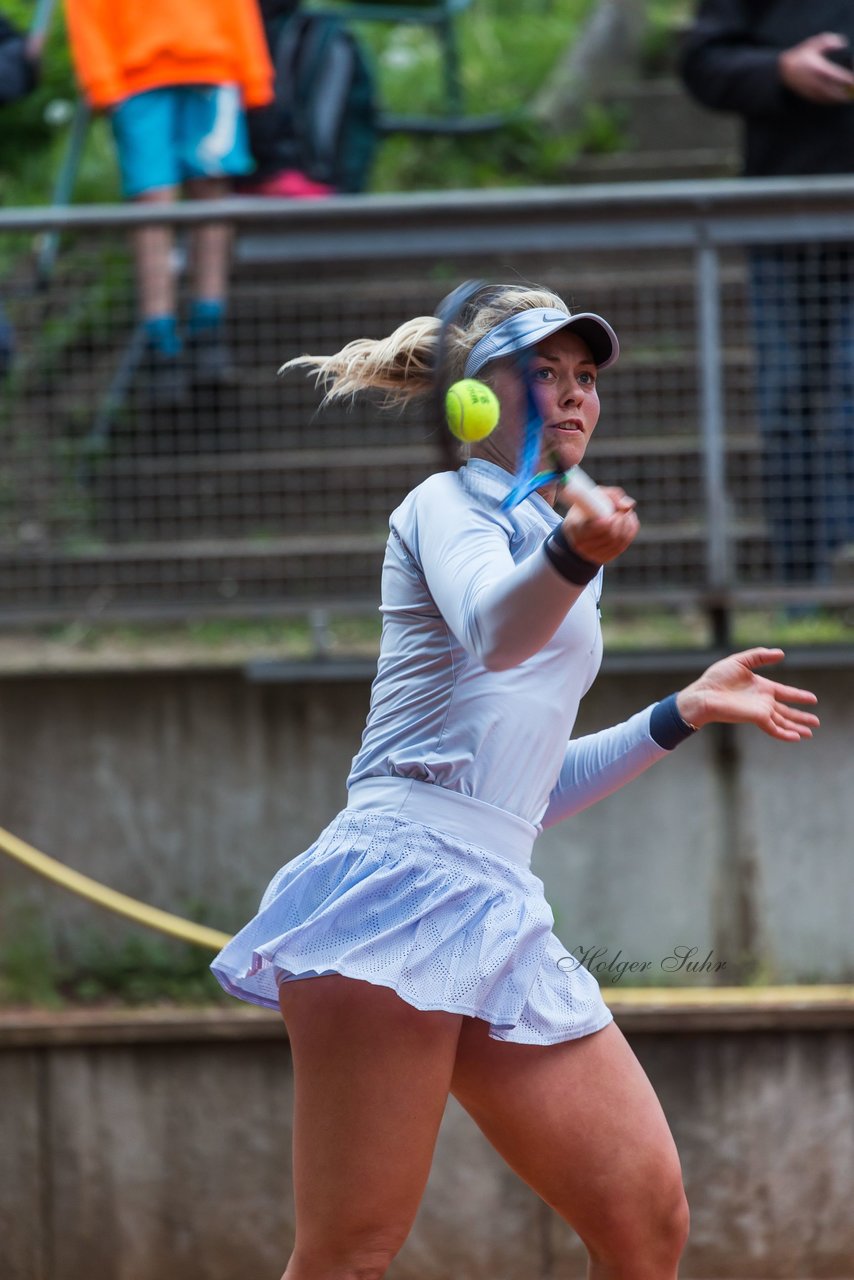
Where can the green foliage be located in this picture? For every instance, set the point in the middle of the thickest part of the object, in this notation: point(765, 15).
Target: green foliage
point(27, 132)
point(140, 968)
point(818, 626)
point(519, 154)
point(504, 55)
point(664, 18)
point(29, 972)
point(504, 61)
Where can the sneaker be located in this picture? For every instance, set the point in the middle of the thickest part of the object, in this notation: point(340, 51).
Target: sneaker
point(210, 360)
point(290, 184)
point(164, 379)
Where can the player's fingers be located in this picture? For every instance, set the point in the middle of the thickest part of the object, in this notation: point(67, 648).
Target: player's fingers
point(788, 693)
point(795, 716)
point(631, 528)
point(759, 657)
point(627, 521)
point(802, 717)
point(603, 529)
point(777, 727)
point(612, 535)
point(622, 501)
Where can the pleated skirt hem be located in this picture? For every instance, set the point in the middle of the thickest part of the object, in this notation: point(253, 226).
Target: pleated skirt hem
point(444, 924)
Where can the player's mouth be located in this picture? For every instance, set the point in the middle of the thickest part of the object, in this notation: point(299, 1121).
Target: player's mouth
point(571, 426)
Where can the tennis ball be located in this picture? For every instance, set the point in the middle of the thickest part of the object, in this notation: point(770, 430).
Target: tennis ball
point(472, 410)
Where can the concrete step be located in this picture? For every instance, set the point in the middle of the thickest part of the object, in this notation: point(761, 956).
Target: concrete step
point(659, 132)
point(655, 166)
point(660, 115)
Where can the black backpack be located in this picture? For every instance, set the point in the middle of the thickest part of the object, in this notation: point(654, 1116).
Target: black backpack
point(325, 98)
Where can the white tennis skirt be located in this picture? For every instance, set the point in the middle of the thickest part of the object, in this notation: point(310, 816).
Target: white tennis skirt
point(398, 891)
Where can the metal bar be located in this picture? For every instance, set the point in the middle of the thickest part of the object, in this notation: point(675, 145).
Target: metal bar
point(666, 203)
point(712, 417)
point(442, 126)
point(63, 187)
point(275, 233)
point(458, 239)
point(42, 17)
point(422, 15)
point(113, 400)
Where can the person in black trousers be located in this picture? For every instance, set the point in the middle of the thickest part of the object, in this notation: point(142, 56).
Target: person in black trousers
point(785, 67)
point(19, 69)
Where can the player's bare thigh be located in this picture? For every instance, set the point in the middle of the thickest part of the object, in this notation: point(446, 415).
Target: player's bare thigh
point(581, 1124)
point(371, 1079)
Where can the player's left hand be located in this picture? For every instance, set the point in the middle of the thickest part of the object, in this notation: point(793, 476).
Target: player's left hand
point(731, 692)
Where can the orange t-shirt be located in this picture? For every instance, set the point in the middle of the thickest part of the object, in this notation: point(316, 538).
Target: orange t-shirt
point(123, 47)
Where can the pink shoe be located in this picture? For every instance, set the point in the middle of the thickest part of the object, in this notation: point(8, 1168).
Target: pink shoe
point(289, 183)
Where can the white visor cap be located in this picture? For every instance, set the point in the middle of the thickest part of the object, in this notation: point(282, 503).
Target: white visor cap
point(526, 329)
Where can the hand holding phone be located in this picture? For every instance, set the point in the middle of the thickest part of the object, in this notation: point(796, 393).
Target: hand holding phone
point(819, 69)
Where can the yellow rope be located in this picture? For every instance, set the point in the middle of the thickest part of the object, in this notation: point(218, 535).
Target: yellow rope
point(200, 935)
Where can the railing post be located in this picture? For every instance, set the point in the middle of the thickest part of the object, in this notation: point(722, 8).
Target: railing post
point(711, 407)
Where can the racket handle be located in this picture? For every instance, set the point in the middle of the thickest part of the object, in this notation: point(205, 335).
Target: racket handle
point(585, 493)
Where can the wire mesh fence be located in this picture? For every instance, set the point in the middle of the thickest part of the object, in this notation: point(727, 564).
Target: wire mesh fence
point(241, 496)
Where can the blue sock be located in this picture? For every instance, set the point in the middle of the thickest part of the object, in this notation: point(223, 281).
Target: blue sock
point(163, 336)
point(206, 314)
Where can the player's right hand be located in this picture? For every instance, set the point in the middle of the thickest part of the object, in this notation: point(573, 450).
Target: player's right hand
point(603, 538)
point(808, 72)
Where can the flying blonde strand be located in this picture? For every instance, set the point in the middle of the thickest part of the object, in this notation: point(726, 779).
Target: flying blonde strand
point(402, 364)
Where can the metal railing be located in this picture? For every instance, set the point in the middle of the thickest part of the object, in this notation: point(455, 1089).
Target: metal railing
point(246, 500)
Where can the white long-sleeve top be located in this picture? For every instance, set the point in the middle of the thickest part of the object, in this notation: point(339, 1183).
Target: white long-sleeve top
point(486, 653)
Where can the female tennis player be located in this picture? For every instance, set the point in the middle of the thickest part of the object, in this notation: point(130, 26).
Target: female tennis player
point(410, 949)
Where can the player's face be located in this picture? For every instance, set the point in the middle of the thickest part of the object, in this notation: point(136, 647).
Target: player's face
point(563, 377)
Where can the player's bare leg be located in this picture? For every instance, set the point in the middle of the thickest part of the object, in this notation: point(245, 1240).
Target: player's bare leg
point(580, 1123)
point(371, 1079)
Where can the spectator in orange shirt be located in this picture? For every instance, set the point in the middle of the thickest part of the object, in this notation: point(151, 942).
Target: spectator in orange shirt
point(176, 79)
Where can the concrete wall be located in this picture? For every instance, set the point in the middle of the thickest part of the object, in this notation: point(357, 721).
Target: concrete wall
point(145, 1146)
point(191, 788)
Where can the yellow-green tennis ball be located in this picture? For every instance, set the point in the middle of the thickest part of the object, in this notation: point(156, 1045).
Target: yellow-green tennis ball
point(472, 410)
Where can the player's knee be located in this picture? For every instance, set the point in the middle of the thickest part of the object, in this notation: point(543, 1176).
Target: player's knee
point(364, 1255)
point(646, 1233)
point(674, 1222)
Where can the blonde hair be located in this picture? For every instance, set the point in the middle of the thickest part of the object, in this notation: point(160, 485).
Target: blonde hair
point(402, 365)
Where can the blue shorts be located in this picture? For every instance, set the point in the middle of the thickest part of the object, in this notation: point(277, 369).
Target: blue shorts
point(166, 137)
